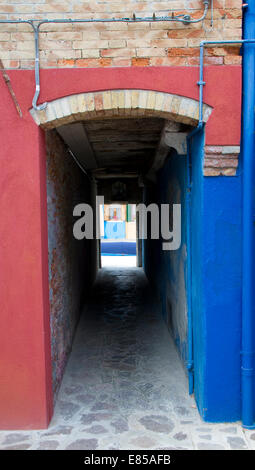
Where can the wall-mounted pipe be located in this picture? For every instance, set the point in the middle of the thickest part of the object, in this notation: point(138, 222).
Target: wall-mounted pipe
point(201, 83)
point(190, 361)
point(182, 18)
point(248, 153)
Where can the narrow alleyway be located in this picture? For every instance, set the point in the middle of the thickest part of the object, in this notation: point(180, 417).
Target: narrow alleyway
point(124, 386)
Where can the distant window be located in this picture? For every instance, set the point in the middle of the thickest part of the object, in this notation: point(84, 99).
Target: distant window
point(115, 213)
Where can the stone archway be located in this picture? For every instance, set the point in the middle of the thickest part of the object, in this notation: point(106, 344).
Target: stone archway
point(119, 103)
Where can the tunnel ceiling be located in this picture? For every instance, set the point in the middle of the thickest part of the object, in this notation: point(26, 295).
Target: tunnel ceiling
point(124, 145)
point(121, 147)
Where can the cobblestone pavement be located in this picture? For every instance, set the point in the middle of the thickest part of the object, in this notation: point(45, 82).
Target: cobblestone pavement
point(124, 386)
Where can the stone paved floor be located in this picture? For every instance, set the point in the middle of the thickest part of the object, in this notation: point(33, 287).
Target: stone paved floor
point(124, 386)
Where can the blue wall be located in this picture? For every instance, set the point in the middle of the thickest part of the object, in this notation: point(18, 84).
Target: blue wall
point(168, 269)
point(173, 274)
point(216, 290)
point(222, 296)
point(114, 230)
point(216, 280)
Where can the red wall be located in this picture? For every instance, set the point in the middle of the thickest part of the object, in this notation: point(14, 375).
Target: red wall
point(25, 366)
point(222, 90)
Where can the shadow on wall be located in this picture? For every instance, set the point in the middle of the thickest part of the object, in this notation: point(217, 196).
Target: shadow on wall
point(168, 269)
point(69, 259)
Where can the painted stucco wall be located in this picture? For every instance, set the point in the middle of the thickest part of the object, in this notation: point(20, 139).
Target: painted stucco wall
point(222, 275)
point(168, 269)
point(216, 235)
point(68, 258)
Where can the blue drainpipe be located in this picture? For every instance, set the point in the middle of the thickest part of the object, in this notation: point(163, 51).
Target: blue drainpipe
point(190, 359)
point(248, 155)
point(197, 130)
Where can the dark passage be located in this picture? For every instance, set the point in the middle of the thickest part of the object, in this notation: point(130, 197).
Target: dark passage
point(124, 367)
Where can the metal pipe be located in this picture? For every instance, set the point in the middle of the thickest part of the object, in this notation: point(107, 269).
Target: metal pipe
point(186, 19)
point(37, 60)
point(248, 151)
point(183, 18)
point(190, 361)
point(37, 73)
point(201, 83)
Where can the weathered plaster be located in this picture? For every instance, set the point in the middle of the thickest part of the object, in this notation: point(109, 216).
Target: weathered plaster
point(66, 186)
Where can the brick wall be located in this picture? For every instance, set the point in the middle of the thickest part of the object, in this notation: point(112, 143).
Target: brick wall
point(117, 44)
point(221, 160)
point(69, 281)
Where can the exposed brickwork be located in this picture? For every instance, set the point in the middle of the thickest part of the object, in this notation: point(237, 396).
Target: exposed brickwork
point(117, 44)
point(221, 160)
point(66, 185)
